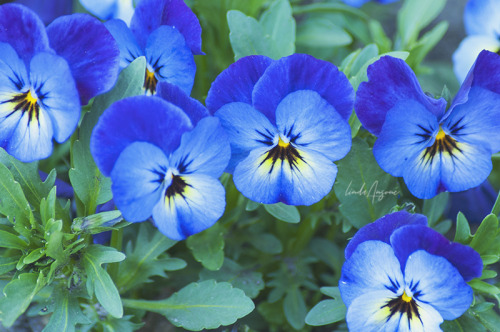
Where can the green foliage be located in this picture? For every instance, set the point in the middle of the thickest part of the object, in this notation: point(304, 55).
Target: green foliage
point(208, 247)
point(67, 313)
point(327, 311)
point(283, 212)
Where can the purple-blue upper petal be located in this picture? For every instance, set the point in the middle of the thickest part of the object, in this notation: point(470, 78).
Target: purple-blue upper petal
point(150, 14)
point(91, 51)
point(303, 72)
point(236, 83)
point(390, 81)
point(382, 228)
point(23, 30)
point(175, 95)
point(139, 118)
point(411, 238)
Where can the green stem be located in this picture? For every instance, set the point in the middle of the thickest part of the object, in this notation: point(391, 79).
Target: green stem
point(329, 7)
point(155, 306)
point(116, 242)
point(496, 156)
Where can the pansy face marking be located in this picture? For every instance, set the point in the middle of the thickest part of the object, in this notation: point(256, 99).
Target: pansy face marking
point(443, 145)
point(25, 102)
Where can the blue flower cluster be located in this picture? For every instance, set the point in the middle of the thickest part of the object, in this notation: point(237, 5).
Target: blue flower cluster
point(400, 275)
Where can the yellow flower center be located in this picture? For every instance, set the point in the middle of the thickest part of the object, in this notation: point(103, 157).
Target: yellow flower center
point(405, 297)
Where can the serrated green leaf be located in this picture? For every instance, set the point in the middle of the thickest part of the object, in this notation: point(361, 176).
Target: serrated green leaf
point(204, 305)
point(283, 212)
point(295, 308)
point(462, 233)
point(249, 281)
point(208, 247)
point(364, 190)
point(9, 240)
point(485, 235)
point(143, 261)
point(99, 280)
point(67, 312)
point(326, 312)
point(18, 295)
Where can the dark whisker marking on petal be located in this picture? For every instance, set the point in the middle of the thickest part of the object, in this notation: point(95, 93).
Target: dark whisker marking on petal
point(443, 144)
point(403, 305)
point(455, 128)
point(268, 139)
point(284, 152)
point(184, 164)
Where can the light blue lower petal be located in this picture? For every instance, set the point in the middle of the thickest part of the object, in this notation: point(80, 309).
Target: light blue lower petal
point(247, 129)
point(201, 204)
point(57, 93)
point(433, 280)
point(468, 50)
point(129, 49)
point(407, 130)
point(170, 57)
point(372, 267)
point(138, 177)
point(423, 177)
point(204, 150)
point(310, 121)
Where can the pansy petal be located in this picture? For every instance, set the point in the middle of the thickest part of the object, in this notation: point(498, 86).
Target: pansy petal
point(247, 129)
point(175, 95)
point(13, 75)
point(486, 72)
point(199, 206)
point(57, 93)
point(170, 57)
point(91, 52)
point(137, 178)
point(303, 72)
point(469, 49)
point(310, 121)
point(236, 83)
point(129, 49)
point(48, 10)
point(370, 312)
point(390, 81)
point(372, 267)
point(433, 280)
point(422, 175)
point(411, 238)
point(151, 14)
point(204, 150)
point(474, 203)
point(139, 118)
point(23, 29)
point(406, 132)
point(481, 17)
point(103, 9)
point(381, 229)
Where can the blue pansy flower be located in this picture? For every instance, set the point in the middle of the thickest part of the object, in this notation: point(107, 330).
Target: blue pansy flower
point(45, 74)
point(400, 275)
point(109, 9)
point(359, 3)
point(432, 149)
point(474, 203)
point(481, 18)
point(167, 33)
point(164, 159)
point(287, 123)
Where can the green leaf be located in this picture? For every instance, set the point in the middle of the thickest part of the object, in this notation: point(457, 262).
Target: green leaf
point(462, 233)
point(433, 208)
point(426, 44)
point(484, 287)
point(295, 309)
point(379, 37)
point(332, 292)
point(364, 190)
point(266, 243)
point(143, 258)
point(326, 312)
point(485, 235)
point(247, 280)
point(18, 295)
point(489, 319)
point(67, 312)
point(204, 305)
point(414, 16)
point(283, 212)
point(273, 36)
point(208, 247)
point(97, 223)
point(322, 32)
point(7, 264)
point(9, 240)
point(99, 281)
point(368, 53)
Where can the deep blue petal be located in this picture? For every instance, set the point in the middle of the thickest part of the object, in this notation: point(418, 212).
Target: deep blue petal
point(408, 239)
point(382, 228)
point(200, 206)
point(204, 150)
point(247, 129)
point(303, 72)
point(371, 267)
point(48, 10)
point(487, 71)
point(137, 178)
point(170, 58)
point(175, 95)
point(481, 17)
point(408, 129)
point(57, 93)
point(23, 30)
point(474, 203)
point(438, 283)
point(309, 121)
point(129, 49)
point(236, 83)
point(390, 81)
point(150, 14)
point(91, 51)
point(139, 118)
